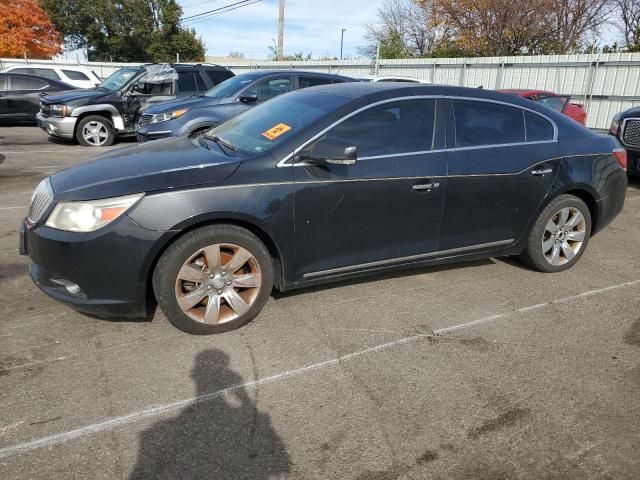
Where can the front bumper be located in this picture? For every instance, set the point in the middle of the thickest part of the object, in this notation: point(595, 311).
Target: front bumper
point(156, 131)
point(103, 273)
point(57, 126)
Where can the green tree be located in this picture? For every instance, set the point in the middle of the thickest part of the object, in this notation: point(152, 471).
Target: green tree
point(126, 30)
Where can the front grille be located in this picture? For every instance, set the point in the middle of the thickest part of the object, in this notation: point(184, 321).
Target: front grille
point(631, 133)
point(45, 109)
point(144, 121)
point(40, 201)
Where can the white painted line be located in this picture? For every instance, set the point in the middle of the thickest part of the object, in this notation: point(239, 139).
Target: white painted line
point(170, 407)
point(14, 208)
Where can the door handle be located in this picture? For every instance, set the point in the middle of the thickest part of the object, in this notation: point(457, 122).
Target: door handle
point(542, 171)
point(426, 186)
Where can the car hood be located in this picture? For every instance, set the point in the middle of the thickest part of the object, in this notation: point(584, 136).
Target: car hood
point(163, 164)
point(177, 104)
point(71, 95)
point(632, 112)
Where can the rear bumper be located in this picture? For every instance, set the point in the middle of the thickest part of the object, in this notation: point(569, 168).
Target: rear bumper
point(612, 202)
point(63, 127)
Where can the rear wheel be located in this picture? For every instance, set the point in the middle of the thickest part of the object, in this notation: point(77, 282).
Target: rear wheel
point(95, 131)
point(559, 236)
point(213, 279)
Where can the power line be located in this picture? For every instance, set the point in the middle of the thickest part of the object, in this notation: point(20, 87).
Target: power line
point(216, 9)
point(208, 16)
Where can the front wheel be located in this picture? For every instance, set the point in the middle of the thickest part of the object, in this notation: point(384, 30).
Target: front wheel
point(95, 131)
point(559, 236)
point(213, 279)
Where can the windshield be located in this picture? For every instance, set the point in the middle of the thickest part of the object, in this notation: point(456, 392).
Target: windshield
point(264, 127)
point(230, 86)
point(119, 79)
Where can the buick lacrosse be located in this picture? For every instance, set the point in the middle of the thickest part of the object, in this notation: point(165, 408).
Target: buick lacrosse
point(319, 185)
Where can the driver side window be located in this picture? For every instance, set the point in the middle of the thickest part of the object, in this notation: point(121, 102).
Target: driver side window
point(270, 88)
point(152, 89)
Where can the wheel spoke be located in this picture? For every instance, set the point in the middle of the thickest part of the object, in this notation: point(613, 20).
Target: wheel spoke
point(212, 256)
point(251, 280)
point(236, 302)
point(567, 251)
point(575, 220)
point(551, 227)
point(555, 255)
point(239, 259)
point(575, 236)
point(192, 274)
point(191, 299)
point(212, 314)
point(564, 216)
point(548, 244)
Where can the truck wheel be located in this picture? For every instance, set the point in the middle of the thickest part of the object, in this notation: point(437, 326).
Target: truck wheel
point(213, 279)
point(95, 131)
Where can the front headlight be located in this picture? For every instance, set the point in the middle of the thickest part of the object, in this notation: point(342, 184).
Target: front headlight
point(91, 215)
point(615, 125)
point(163, 117)
point(58, 110)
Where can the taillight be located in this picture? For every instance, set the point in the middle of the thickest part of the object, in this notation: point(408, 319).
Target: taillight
point(621, 156)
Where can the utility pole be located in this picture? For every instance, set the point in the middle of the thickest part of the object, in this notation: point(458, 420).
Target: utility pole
point(281, 32)
point(342, 41)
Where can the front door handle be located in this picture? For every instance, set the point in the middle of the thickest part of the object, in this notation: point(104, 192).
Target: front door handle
point(426, 186)
point(542, 171)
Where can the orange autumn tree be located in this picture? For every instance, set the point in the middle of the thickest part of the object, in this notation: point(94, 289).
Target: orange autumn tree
point(25, 29)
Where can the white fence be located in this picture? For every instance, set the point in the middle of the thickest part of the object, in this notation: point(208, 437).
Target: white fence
point(603, 83)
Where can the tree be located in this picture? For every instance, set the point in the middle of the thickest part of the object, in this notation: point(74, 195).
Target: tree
point(126, 30)
point(629, 13)
point(25, 29)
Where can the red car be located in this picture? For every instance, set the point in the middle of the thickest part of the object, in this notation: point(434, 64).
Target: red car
point(559, 103)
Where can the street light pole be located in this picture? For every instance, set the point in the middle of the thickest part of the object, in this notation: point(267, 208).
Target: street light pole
point(342, 41)
point(280, 54)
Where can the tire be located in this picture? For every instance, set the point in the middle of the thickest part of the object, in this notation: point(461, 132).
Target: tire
point(196, 132)
point(187, 274)
point(104, 136)
point(549, 251)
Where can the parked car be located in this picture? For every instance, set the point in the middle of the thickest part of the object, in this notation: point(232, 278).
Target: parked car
point(559, 103)
point(76, 76)
point(318, 185)
point(20, 95)
point(390, 78)
point(225, 101)
point(626, 128)
point(95, 117)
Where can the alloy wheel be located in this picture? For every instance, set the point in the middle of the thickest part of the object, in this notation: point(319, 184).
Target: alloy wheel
point(564, 236)
point(95, 133)
point(218, 283)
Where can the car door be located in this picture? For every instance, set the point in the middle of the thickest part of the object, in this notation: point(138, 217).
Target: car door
point(23, 96)
point(383, 210)
point(143, 94)
point(502, 163)
point(4, 107)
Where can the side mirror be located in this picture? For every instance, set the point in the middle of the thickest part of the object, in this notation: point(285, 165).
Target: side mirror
point(348, 157)
point(248, 97)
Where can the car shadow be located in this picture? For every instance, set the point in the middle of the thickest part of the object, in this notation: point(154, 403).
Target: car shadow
point(221, 434)
point(634, 182)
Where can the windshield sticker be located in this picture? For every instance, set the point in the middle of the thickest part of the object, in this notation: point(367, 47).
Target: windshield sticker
point(276, 131)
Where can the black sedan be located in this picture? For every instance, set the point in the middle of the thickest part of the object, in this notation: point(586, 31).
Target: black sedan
point(626, 127)
point(20, 95)
point(224, 101)
point(320, 185)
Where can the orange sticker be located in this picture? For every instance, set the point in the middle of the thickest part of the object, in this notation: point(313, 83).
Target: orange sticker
point(276, 131)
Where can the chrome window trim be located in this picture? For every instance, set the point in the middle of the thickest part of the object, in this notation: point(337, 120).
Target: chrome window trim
point(283, 163)
point(623, 126)
point(383, 263)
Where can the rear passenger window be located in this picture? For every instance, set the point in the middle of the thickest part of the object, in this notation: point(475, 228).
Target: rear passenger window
point(392, 128)
point(187, 82)
point(26, 83)
point(538, 129)
point(73, 75)
point(304, 82)
point(484, 123)
point(45, 72)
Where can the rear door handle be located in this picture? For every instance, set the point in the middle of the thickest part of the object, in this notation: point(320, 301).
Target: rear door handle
point(542, 171)
point(426, 186)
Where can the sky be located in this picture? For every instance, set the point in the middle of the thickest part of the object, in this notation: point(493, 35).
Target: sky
point(310, 26)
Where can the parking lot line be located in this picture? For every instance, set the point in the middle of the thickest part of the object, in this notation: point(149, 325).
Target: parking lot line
point(169, 407)
point(14, 208)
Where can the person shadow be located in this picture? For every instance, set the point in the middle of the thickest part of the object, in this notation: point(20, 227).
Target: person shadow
point(218, 436)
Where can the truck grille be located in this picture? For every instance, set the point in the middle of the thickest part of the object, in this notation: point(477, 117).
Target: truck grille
point(144, 121)
point(40, 201)
point(45, 109)
point(631, 133)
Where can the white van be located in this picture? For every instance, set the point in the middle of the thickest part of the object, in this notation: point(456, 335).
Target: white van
point(76, 76)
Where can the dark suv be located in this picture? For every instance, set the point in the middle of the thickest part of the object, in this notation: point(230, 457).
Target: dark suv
point(95, 116)
point(626, 127)
point(231, 98)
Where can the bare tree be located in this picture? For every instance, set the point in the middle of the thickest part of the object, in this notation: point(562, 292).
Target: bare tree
point(629, 15)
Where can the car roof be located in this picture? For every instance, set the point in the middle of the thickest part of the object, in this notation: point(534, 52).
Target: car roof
point(260, 73)
point(48, 65)
point(39, 77)
point(523, 92)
